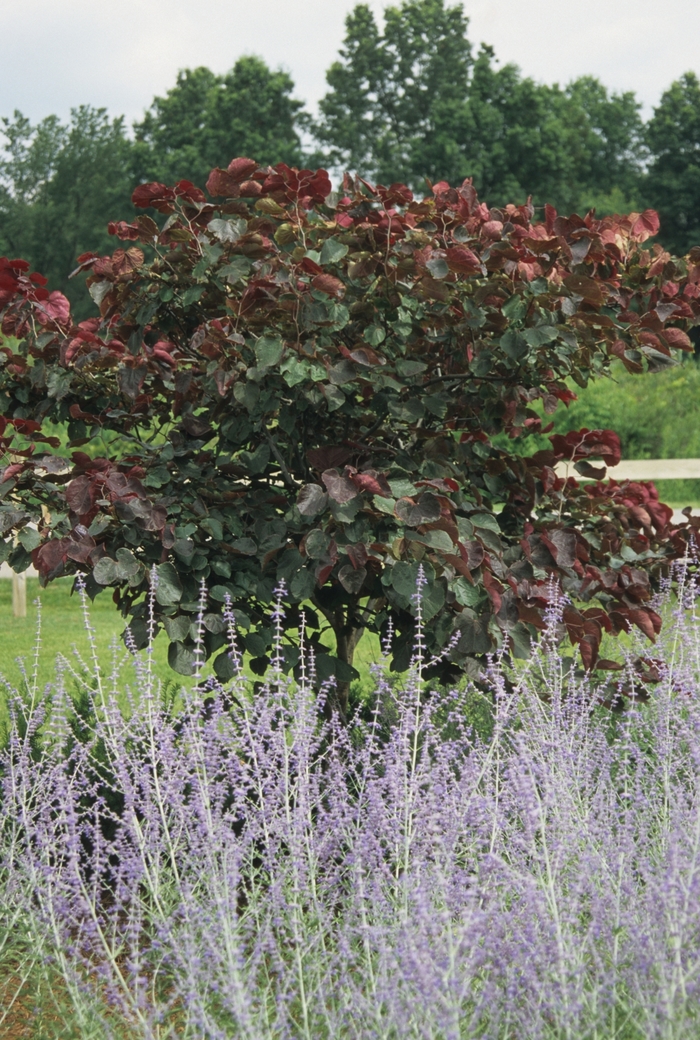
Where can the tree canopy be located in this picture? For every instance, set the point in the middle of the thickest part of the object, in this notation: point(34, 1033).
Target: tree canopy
point(205, 119)
point(57, 182)
point(409, 96)
point(673, 180)
point(412, 101)
point(332, 394)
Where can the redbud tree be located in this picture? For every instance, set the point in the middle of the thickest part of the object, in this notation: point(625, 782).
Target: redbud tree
point(331, 393)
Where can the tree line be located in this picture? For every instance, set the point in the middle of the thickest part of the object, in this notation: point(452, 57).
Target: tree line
point(407, 100)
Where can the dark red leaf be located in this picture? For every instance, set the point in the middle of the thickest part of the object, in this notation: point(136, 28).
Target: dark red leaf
point(677, 338)
point(646, 225)
point(81, 495)
point(373, 482)
point(221, 182)
point(366, 356)
point(586, 287)
point(357, 554)
point(581, 444)
point(328, 458)
point(644, 620)
point(341, 489)
point(55, 308)
point(562, 545)
point(12, 470)
point(189, 192)
point(462, 260)
point(414, 513)
point(51, 556)
point(123, 230)
point(157, 195)
point(328, 284)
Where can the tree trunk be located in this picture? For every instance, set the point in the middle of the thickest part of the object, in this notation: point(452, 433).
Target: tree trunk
point(347, 638)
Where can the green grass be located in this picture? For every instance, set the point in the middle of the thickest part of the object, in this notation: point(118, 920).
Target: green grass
point(63, 632)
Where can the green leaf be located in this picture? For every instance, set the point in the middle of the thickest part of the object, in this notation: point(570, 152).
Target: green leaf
point(257, 461)
point(485, 520)
point(515, 308)
point(332, 251)
point(403, 578)
point(247, 394)
point(268, 351)
point(467, 595)
point(256, 643)
point(169, 587)
point(401, 488)
point(29, 537)
point(223, 667)
point(316, 544)
point(192, 295)
point(514, 345)
point(374, 335)
point(435, 539)
point(19, 559)
point(384, 505)
point(213, 527)
point(226, 230)
point(334, 397)
point(270, 534)
point(245, 546)
point(128, 567)
point(410, 368)
point(177, 627)
point(438, 267)
point(521, 640)
point(184, 548)
point(433, 599)
point(294, 370)
point(219, 593)
point(105, 571)
point(181, 659)
point(540, 336)
point(236, 270)
point(474, 638)
point(465, 527)
point(302, 585)
point(345, 672)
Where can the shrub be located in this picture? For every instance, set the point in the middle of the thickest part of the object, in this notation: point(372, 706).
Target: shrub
point(268, 872)
point(309, 391)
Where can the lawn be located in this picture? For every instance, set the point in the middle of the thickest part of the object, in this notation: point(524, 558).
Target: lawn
point(63, 632)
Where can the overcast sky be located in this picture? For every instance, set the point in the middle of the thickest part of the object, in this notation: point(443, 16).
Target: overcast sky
point(57, 54)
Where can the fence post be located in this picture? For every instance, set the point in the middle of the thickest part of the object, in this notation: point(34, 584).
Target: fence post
point(19, 594)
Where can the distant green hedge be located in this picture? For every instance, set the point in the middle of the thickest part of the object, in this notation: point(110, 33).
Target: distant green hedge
point(656, 415)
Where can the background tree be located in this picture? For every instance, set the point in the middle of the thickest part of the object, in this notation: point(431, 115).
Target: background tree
point(395, 93)
point(205, 119)
point(411, 102)
point(334, 395)
point(57, 182)
point(673, 180)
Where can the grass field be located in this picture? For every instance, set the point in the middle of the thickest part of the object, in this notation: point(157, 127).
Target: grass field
point(63, 632)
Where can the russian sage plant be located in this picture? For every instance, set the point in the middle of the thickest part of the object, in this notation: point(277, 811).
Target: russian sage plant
point(242, 865)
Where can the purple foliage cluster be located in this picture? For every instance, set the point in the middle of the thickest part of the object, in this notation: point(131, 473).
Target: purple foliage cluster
point(244, 867)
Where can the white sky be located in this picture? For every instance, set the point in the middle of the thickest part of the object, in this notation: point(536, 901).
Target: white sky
point(120, 53)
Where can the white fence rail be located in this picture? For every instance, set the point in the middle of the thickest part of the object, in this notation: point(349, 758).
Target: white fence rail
point(642, 469)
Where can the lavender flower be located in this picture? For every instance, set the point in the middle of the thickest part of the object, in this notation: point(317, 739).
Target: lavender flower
point(257, 869)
